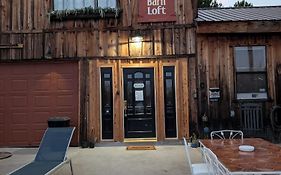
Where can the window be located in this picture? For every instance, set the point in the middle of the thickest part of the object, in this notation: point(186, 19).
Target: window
point(78, 4)
point(250, 66)
point(107, 3)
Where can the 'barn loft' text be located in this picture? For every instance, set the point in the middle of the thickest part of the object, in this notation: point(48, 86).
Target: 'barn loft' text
point(156, 7)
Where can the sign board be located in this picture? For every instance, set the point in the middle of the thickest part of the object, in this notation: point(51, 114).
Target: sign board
point(138, 85)
point(139, 95)
point(214, 94)
point(156, 10)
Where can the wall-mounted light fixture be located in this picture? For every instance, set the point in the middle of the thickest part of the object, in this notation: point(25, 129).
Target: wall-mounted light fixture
point(137, 37)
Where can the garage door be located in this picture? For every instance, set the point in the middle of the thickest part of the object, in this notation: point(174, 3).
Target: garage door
point(30, 93)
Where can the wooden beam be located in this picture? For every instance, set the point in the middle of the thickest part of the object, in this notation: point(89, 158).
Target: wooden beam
point(12, 46)
point(239, 27)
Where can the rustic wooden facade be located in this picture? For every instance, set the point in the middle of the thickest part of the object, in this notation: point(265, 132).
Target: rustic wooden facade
point(216, 68)
point(29, 34)
point(200, 52)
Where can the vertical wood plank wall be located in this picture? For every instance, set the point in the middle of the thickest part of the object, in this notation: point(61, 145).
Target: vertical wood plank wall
point(216, 69)
point(28, 23)
point(105, 43)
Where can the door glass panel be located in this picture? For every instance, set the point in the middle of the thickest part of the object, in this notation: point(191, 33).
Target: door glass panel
point(147, 93)
point(106, 75)
point(169, 92)
point(107, 103)
point(129, 93)
point(147, 75)
point(107, 91)
point(138, 75)
point(168, 74)
point(170, 105)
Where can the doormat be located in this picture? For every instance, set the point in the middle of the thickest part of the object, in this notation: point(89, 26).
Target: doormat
point(4, 155)
point(147, 147)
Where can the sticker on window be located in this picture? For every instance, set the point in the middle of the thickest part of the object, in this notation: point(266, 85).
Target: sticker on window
point(139, 95)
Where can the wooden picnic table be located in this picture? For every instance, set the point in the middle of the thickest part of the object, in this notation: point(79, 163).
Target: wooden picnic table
point(265, 159)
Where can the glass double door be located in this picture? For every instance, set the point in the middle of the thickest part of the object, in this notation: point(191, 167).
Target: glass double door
point(139, 105)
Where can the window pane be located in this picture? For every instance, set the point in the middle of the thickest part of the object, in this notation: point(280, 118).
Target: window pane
point(250, 58)
point(259, 57)
point(58, 5)
point(138, 75)
point(257, 85)
point(148, 94)
point(69, 4)
point(89, 3)
point(169, 95)
point(107, 3)
point(78, 4)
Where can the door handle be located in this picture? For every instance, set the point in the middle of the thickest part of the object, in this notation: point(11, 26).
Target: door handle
point(125, 108)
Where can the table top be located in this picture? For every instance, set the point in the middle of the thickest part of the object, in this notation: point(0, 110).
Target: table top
point(265, 158)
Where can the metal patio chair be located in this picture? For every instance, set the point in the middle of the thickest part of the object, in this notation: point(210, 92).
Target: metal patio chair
point(214, 166)
point(227, 134)
point(196, 168)
point(51, 154)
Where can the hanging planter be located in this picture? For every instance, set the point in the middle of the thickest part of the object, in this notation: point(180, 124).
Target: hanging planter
point(85, 13)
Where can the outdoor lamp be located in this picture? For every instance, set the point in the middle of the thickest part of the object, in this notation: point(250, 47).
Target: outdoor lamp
point(137, 37)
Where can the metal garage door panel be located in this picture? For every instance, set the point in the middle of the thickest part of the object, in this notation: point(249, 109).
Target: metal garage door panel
point(30, 94)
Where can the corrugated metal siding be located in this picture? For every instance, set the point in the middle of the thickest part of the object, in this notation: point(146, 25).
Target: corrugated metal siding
point(240, 14)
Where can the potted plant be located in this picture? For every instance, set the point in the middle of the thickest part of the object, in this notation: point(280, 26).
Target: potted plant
point(194, 140)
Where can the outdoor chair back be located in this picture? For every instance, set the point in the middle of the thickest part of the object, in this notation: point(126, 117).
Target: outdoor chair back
point(195, 168)
point(214, 166)
point(51, 154)
point(227, 134)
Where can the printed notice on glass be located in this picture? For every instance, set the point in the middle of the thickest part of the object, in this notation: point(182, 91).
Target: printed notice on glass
point(139, 95)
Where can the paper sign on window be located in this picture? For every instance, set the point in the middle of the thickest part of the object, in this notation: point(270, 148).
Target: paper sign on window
point(139, 95)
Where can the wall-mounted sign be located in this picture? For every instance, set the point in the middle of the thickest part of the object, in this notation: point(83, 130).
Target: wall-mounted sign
point(138, 85)
point(214, 94)
point(139, 95)
point(156, 10)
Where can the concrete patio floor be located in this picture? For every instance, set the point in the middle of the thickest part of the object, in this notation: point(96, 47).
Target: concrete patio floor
point(112, 160)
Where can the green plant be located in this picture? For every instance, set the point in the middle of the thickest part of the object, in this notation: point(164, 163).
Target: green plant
point(194, 140)
point(86, 11)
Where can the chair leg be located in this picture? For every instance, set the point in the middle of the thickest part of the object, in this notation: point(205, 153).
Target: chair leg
point(70, 163)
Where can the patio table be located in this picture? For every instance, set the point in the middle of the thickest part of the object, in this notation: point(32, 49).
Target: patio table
point(265, 159)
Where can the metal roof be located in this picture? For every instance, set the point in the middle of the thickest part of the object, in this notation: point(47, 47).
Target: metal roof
point(269, 13)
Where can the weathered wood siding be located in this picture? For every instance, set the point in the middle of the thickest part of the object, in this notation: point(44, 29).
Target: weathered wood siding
point(26, 33)
point(28, 23)
point(216, 69)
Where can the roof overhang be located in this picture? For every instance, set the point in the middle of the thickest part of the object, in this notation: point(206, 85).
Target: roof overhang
point(238, 27)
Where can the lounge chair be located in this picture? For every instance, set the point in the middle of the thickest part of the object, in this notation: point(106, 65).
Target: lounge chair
point(51, 154)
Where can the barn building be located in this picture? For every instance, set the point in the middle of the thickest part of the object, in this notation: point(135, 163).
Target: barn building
point(134, 70)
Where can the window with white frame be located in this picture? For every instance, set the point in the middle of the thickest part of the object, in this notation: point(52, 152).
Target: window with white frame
point(78, 4)
point(250, 66)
